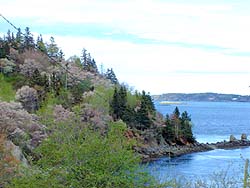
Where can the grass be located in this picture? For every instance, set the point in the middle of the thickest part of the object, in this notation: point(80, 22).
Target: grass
point(7, 93)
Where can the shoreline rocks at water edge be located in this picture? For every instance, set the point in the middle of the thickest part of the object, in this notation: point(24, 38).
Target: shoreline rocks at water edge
point(150, 153)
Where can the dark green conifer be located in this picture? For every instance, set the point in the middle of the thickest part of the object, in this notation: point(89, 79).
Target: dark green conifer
point(40, 44)
point(28, 39)
point(111, 76)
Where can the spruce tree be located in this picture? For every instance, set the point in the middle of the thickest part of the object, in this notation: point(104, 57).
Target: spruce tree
point(28, 39)
point(146, 113)
point(40, 44)
point(4, 48)
point(186, 127)
point(143, 118)
point(52, 49)
point(111, 76)
point(168, 132)
point(88, 63)
point(19, 41)
point(94, 68)
point(119, 103)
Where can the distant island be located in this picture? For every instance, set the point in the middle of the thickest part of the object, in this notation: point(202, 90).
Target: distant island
point(213, 97)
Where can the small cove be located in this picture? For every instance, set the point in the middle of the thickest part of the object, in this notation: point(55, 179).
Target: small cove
point(213, 122)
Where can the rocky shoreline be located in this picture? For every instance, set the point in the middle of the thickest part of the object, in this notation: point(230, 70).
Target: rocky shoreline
point(150, 153)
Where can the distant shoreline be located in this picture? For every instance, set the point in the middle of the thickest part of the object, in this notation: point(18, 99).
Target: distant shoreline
point(201, 97)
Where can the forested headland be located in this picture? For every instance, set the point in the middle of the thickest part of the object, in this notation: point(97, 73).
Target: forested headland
point(65, 123)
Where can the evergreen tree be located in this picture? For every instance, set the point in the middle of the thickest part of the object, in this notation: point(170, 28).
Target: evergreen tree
point(176, 112)
point(4, 48)
point(122, 101)
point(52, 49)
point(186, 127)
point(111, 76)
point(93, 66)
point(40, 44)
point(28, 39)
point(61, 55)
point(19, 41)
point(178, 128)
point(119, 103)
point(88, 63)
point(84, 58)
point(146, 112)
point(168, 132)
point(149, 102)
point(8, 37)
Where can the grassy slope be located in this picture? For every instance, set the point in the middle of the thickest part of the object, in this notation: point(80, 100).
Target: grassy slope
point(7, 93)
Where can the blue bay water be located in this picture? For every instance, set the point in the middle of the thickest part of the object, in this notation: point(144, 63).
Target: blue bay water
point(212, 122)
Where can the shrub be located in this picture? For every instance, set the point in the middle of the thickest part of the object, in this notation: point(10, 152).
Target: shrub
point(29, 66)
point(80, 157)
point(6, 66)
point(28, 97)
point(21, 127)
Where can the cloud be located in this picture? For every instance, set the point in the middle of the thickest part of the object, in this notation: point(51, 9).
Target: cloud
point(160, 46)
point(159, 68)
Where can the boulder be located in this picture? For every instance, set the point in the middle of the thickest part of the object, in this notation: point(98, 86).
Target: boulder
point(243, 137)
point(232, 138)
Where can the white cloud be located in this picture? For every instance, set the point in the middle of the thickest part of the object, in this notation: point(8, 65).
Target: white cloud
point(157, 67)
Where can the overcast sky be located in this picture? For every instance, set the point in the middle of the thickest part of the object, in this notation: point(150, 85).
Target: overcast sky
point(160, 46)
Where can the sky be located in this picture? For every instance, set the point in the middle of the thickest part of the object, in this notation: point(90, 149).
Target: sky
point(160, 46)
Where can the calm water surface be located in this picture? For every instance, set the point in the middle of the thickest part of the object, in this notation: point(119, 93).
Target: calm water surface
point(213, 121)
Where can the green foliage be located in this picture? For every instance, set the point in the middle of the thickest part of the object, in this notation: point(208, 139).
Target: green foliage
point(100, 98)
point(4, 48)
point(40, 44)
point(142, 118)
point(75, 59)
point(7, 67)
point(110, 74)
point(146, 112)
point(28, 40)
point(178, 127)
point(187, 127)
point(78, 90)
point(88, 63)
point(7, 93)
point(75, 156)
point(45, 111)
point(119, 103)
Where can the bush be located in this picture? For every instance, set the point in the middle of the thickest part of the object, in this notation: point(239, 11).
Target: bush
point(6, 66)
point(79, 157)
point(22, 128)
point(28, 97)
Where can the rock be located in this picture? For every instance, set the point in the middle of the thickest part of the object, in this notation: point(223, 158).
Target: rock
point(16, 152)
point(243, 137)
point(232, 138)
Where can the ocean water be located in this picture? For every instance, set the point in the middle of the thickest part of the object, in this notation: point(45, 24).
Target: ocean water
point(212, 122)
